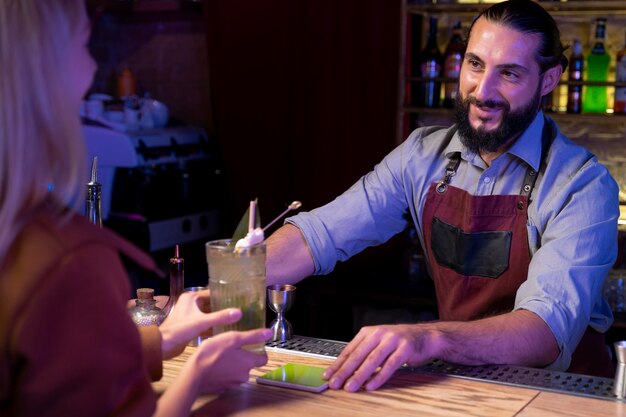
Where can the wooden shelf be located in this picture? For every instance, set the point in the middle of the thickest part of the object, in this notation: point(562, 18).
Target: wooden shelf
point(587, 117)
point(572, 7)
point(564, 82)
point(575, 21)
point(151, 5)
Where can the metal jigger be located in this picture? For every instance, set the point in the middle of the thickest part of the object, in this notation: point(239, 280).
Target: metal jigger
point(280, 298)
point(619, 385)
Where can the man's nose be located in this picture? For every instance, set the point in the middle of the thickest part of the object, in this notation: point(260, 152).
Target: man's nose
point(486, 86)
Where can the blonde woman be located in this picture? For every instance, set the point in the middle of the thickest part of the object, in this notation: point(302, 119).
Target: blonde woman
point(67, 344)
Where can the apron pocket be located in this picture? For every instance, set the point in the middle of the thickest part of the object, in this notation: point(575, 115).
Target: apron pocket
point(484, 254)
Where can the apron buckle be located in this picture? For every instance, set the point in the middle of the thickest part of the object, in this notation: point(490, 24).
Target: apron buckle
point(450, 172)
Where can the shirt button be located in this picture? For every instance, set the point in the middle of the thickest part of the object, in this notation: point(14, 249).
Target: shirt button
point(487, 180)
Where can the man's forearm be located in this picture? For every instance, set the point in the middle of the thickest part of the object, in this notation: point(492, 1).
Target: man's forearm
point(517, 338)
point(288, 256)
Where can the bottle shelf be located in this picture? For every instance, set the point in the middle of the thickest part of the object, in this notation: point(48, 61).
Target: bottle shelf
point(574, 18)
point(595, 83)
point(556, 8)
point(582, 83)
point(449, 113)
point(146, 5)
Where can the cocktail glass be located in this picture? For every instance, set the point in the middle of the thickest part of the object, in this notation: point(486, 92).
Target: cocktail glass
point(237, 279)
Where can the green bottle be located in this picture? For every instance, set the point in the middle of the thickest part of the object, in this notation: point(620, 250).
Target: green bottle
point(598, 61)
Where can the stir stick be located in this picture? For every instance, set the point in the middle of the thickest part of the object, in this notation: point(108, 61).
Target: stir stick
point(252, 215)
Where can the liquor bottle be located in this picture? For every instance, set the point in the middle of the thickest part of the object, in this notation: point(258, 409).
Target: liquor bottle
point(550, 100)
point(145, 312)
point(430, 68)
point(93, 203)
point(126, 83)
point(453, 57)
point(177, 281)
point(598, 61)
point(576, 69)
point(620, 77)
point(413, 89)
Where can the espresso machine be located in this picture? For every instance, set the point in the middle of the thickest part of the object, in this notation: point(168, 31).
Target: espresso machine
point(160, 188)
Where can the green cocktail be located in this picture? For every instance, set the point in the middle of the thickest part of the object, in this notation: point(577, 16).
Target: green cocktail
point(237, 279)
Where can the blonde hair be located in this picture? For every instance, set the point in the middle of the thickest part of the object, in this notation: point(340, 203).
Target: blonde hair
point(42, 155)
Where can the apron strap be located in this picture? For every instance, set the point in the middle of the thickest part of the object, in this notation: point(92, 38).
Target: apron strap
point(453, 165)
point(547, 136)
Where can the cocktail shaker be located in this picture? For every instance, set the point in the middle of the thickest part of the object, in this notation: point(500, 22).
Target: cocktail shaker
point(619, 385)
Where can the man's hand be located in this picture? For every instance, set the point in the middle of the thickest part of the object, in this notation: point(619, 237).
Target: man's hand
point(517, 338)
point(372, 357)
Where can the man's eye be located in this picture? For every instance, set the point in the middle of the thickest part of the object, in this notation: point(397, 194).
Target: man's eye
point(474, 64)
point(510, 75)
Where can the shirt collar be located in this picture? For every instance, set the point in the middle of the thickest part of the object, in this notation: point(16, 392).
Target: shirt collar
point(527, 147)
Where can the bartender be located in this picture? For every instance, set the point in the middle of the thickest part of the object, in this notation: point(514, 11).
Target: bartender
point(518, 224)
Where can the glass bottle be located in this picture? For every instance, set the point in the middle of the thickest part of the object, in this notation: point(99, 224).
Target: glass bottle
point(430, 68)
point(453, 57)
point(93, 203)
point(177, 281)
point(619, 105)
point(576, 69)
point(598, 61)
point(145, 312)
point(126, 83)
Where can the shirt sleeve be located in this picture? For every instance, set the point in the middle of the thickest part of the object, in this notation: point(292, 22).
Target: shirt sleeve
point(576, 214)
point(152, 354)
point(367, 214)
point(80, 352)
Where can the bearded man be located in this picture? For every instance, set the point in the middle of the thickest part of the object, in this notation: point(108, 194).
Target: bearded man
point(517, 223)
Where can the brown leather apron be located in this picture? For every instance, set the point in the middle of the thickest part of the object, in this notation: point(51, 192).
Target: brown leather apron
point(478, 255)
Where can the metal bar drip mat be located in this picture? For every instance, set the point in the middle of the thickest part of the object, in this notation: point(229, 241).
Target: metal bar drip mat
point(519, 376)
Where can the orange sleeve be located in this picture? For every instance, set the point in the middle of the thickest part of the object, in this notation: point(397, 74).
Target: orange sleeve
point(152, 355)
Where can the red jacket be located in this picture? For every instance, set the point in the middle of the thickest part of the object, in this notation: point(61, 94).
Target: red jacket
point(68, 345)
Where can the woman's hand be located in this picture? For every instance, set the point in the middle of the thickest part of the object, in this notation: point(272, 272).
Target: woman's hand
point(221, 362)
point(191, 317)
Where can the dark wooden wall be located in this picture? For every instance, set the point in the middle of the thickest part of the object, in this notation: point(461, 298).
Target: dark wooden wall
point(304, 95)
point(304, 99)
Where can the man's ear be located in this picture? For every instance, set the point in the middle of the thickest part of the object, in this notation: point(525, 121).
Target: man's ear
point(551, 79)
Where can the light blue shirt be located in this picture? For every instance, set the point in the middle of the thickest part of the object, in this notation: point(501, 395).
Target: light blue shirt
point(572, 219)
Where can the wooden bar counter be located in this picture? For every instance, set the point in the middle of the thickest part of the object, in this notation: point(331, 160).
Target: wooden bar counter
point(407, 393)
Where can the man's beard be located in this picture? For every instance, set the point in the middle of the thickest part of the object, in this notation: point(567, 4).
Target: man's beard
point(512, 123)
